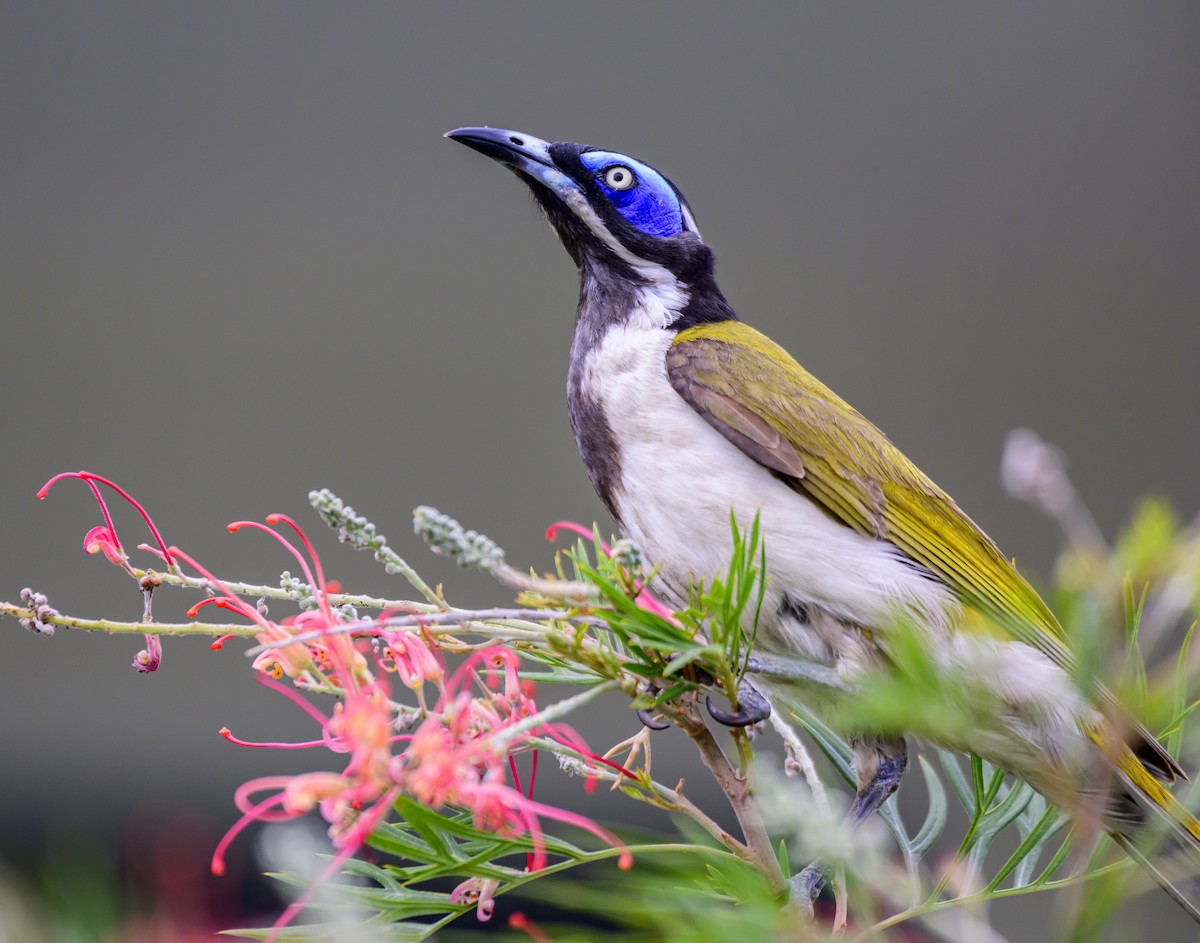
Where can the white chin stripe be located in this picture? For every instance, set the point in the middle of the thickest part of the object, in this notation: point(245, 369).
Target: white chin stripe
point(664, 281)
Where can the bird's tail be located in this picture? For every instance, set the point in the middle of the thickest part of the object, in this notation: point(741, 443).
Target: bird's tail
point(1174, 857)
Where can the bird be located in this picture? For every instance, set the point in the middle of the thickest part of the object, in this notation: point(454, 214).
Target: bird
point(684, 414)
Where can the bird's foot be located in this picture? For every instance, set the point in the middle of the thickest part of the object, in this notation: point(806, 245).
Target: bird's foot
point(648, 717)
point(805, 887)
point(873, 794)
point(652, 721)
point(753, 709)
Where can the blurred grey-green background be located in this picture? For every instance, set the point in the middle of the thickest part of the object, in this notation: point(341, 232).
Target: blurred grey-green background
point(239, 262)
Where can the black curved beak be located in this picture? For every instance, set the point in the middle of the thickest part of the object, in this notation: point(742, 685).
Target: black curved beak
point(522, 152)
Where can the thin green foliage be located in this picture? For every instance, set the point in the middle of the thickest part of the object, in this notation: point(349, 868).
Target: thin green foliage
point(916, 695)
point(713, 636)
point(979, 834)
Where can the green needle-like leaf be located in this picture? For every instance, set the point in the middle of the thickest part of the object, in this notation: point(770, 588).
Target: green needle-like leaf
point(935, 819)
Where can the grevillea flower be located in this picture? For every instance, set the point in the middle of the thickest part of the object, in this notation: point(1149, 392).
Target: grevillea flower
point(355, 800)
point(103, 539)
point(459, 756)
point(477, 892)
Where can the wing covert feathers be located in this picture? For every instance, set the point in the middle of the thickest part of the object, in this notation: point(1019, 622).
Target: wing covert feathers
point(729, 372)
point(758, 397)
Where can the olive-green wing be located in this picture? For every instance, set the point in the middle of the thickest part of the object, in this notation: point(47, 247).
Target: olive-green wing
point(753, 392)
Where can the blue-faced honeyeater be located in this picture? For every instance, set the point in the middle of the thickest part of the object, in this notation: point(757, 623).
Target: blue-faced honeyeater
point(684, 413)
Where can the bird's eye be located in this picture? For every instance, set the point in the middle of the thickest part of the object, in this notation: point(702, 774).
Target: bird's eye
point(619, 177)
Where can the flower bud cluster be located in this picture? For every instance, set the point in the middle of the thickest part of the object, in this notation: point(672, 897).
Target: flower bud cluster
point(42, 612)
point(627, 554)
point(354, 529)
point(446, 536)
point(298, 590)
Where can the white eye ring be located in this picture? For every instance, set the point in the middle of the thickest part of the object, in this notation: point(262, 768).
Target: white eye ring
point(619, 177)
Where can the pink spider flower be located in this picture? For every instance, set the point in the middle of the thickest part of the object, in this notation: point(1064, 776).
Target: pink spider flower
point(477, 892)
point(103, 539)
point(413, 658)
point(361, 724)
point(459, 756)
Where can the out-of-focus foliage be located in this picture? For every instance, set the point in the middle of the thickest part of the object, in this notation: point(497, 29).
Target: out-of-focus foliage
point(465, 842)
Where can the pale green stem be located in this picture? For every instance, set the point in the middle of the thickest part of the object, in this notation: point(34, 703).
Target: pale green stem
point(514, 630)
point(278, 592)
point(556, 589)
point(416, 582)
point(986, 895)
point(132, 628)
point(517, 878)
point(456, 617)
point(553, 712)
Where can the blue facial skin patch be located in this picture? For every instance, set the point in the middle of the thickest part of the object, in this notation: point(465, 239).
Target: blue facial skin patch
point(650, 204)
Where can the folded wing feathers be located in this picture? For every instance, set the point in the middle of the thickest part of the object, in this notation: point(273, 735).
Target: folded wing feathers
point(760, 399)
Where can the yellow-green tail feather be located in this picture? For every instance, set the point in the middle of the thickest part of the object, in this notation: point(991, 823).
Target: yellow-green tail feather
point(1176, 866)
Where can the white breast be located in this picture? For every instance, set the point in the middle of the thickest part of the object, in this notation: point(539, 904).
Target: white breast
point(679, 479)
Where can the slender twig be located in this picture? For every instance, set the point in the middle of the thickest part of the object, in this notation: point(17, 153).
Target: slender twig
point(457, 617)
point(555, 589)
point(737, 790)
point(132, 628)
point(554, 711)
point(983, 896)
point(798, 754)
point(278, 592)
point(651, 792)
point(484, 621)
point(506, 623)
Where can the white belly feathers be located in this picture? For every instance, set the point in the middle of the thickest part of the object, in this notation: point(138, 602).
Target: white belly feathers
point(679, 478)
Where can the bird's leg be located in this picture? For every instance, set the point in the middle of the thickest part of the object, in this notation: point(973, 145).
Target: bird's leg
point(878, 766)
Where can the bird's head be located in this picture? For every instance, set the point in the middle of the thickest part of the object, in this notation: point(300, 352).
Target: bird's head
point(614, 214)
